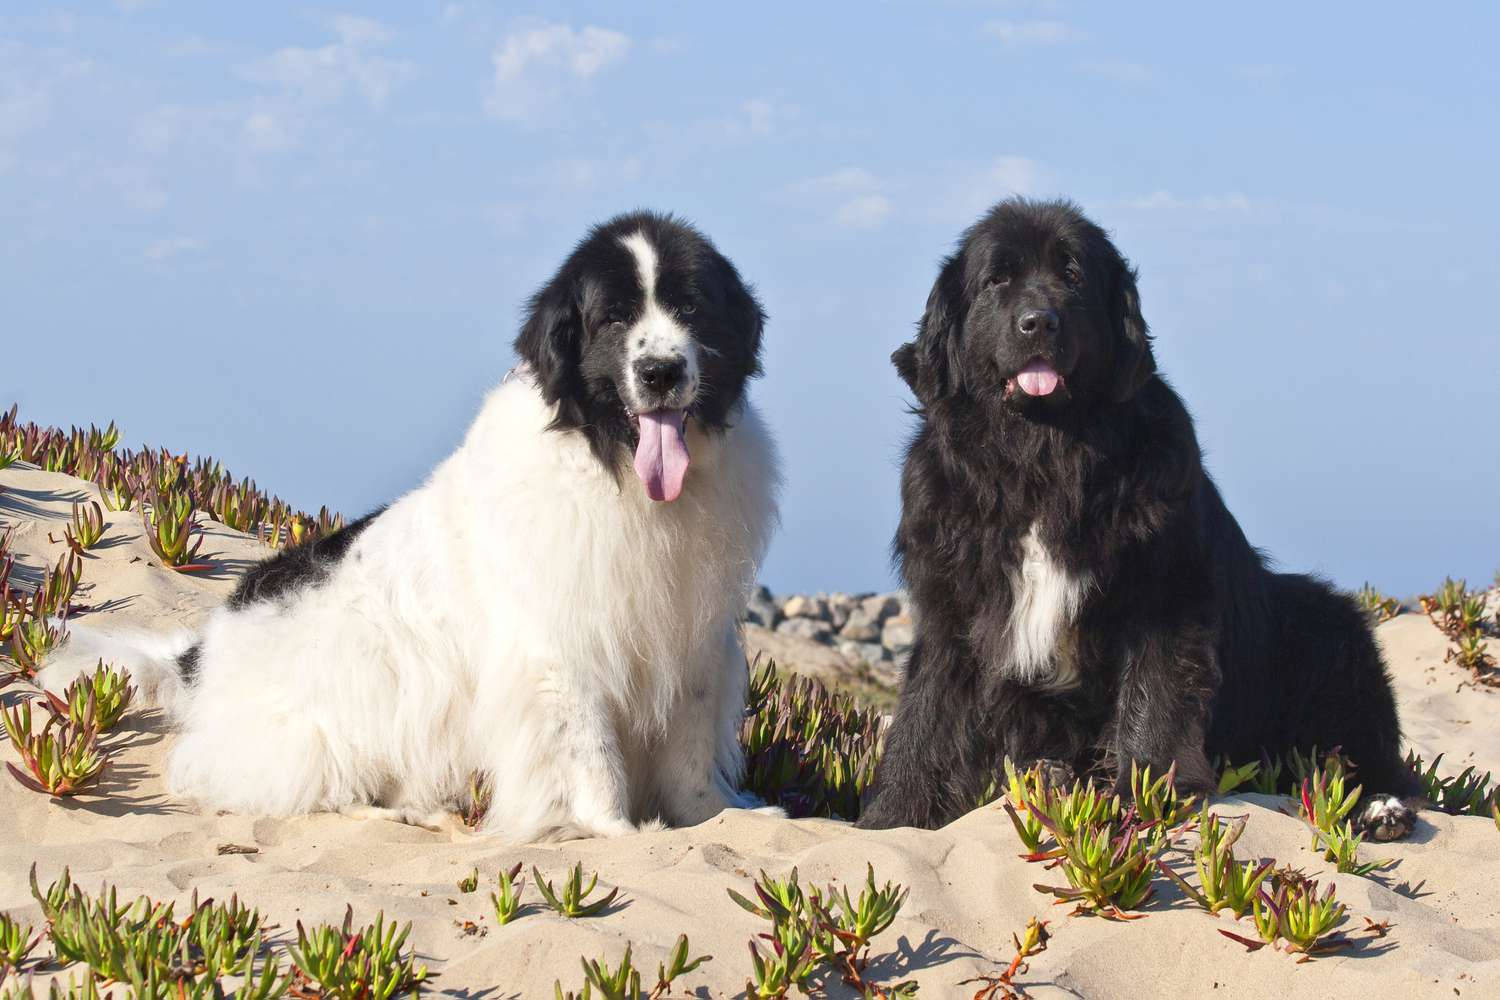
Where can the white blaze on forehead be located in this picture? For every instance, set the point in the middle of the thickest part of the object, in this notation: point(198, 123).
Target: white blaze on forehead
point(645, 264)
point(656, 333)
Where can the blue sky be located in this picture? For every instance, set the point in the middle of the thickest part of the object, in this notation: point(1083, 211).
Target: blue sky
point(299, 237)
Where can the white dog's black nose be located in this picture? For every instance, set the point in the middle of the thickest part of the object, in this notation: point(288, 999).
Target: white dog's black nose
point(661, 375)
point(1039, 321)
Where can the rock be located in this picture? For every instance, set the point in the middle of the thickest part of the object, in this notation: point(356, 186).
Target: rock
point(868, 653)
point(839, 608)
point(761, 609)
point(860, 627)
point(806, 628)
point(897, 635)
point(802, 606)
point(879, 607)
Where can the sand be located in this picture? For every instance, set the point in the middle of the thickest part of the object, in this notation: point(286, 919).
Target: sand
point(969, 890)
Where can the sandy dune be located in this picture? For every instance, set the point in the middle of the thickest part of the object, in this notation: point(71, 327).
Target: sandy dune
point(969, 891)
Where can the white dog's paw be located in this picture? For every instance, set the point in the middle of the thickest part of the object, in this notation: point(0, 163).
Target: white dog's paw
point(1385, 817)
point(775, 811)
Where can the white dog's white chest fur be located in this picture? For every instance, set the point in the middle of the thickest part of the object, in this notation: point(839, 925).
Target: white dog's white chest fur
point(1045, 600)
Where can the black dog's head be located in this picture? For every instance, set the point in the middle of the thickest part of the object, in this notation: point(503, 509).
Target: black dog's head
point(644, 327)
point(1036, 313)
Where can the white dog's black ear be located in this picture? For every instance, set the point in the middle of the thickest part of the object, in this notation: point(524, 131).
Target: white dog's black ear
point(1134, 363)
point(551, 339)
point(929, 364)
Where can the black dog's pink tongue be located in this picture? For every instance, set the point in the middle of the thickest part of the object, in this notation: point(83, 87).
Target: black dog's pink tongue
point(661, 459)
point(1038, 378)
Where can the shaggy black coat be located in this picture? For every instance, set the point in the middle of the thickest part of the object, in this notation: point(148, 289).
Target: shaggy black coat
point(1183, 644)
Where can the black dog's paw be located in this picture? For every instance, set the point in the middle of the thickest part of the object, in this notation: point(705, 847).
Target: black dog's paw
point(1055, 774)
point(1385, 817)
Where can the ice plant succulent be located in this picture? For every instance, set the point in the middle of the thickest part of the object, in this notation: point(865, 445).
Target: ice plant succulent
point(60, 760)
point(366, 964)
point(86, 528)
point(807, 749)
point(508, 900)
point(101, 697)
point(1031, 941)
point(624, 981)
point(572, 901)
point(1295, 919)
point(172, 532)
point(16, 942)
point(1223, 881)
point(1325, 800)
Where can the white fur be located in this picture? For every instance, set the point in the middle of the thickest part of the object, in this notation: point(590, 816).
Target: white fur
point(1045, 600)
point(523, 613)
point(656, 333)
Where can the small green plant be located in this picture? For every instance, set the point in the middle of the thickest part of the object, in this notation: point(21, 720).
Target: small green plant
point(1380, 606)
point(470, 882)
point(16, 942)
point(1223, 881)
point(508, 900)
point(1108, 865)
point(1341, 846)
point(172, 531)
point(1157, 801)
point(1232, 777)
point(624, 982)
point(62, 759)
point(98, 699)
point(86, 528)
point(477, 805)
point(366, 964)
point(1031, 941)
point(1296, 920)
point(1325, 800)
point(572, 901)
point(814, 932)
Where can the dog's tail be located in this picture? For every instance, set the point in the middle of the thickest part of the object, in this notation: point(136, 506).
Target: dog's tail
point(154, 661)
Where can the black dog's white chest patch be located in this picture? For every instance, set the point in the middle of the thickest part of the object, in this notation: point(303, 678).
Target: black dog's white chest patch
point(1045, 600)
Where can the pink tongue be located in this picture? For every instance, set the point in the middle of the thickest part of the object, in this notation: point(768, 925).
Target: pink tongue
point(1038, 378)
point(661, 459)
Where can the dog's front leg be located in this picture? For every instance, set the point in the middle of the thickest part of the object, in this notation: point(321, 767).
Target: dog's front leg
point(701, 762)
point(1161, 709)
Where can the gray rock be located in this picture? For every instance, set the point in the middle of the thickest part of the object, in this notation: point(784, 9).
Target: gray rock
point(881, 606)
point(761, 609)
point(860, 627)
point(897, 635)
point(889, 672)
point(839, 608)
point(806, 628)
point(871, 654)
point(802, 606)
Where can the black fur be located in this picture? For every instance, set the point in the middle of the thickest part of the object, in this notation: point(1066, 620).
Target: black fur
point(303, 565)
point(573, 334)
point(1186, 646)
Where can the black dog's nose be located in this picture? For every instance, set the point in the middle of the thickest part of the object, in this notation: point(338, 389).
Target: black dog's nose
point(1039, 321)
point(661, 374)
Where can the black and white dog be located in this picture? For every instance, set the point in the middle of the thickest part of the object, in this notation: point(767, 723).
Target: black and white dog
point(531, 611)
point(1082, 595)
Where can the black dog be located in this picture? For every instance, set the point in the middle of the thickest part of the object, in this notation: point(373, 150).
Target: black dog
point(1082, 594)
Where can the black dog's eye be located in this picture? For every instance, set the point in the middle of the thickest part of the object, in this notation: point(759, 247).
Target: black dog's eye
point(997, 281)
point(1072, 273)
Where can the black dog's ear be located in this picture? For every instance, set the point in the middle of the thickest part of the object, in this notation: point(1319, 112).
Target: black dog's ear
point(746, 314)
point(1134, 362)
point(929, 364)
point(551, 339)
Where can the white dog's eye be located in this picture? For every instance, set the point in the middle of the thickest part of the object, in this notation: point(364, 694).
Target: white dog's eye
point(687, 308)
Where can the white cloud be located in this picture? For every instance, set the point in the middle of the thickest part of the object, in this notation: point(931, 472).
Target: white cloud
point(1039, 32)
point(532, 64)
point(866, 211)
point(858, 197)
point(172, 246)
point(969, 189)
point(323, 75)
